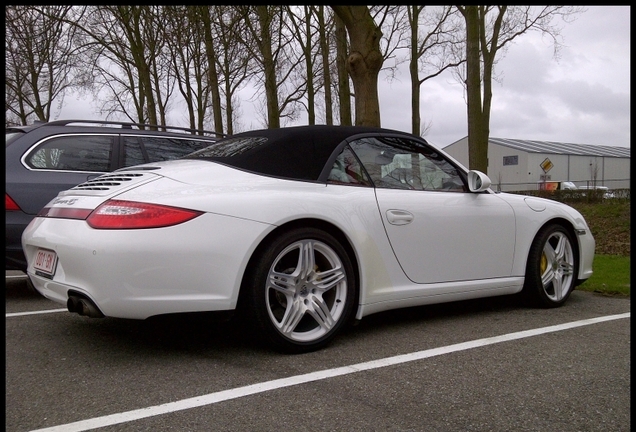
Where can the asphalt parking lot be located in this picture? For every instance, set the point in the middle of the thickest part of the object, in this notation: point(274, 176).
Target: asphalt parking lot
point(486, 365)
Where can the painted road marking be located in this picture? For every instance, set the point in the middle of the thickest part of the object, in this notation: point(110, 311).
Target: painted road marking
point(16, 314)
point(212, 398)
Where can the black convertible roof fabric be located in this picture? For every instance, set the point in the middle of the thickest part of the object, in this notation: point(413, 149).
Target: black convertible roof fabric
point(299, 152)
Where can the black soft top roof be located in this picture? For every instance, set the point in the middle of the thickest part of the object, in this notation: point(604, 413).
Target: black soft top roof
point(299, 152)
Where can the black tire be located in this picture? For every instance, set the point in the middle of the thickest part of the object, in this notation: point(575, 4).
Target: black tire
point(552, 267)
point(289, 298)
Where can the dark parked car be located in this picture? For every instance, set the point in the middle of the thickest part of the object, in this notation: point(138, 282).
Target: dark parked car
point(43, 159)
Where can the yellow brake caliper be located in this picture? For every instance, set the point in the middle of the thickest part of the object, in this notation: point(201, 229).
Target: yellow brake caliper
point(543, 265)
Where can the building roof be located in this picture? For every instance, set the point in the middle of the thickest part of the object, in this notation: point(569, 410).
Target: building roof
point(552, 147)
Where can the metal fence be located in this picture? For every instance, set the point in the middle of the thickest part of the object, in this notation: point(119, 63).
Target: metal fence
point(586, 190)
point(614, 184)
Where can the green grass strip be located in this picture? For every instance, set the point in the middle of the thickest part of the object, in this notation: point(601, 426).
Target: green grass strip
point(611, 275)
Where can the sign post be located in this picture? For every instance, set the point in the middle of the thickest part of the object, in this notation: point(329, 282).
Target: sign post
point(546, 166)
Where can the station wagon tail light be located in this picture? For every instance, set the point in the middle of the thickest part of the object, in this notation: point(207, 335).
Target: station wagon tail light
point(9, 204)
point(117, 214)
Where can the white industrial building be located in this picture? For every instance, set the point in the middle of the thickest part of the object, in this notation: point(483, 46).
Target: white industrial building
point(515, 164)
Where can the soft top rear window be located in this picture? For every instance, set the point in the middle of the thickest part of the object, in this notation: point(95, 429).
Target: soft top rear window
point(229, 147)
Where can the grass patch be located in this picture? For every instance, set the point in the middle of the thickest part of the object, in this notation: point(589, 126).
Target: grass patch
point(610, 223)
point(611, 275)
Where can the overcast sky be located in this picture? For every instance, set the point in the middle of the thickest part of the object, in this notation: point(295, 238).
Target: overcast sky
point(583, 97)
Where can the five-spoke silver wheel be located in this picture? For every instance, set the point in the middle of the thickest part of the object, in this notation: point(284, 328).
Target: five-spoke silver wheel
point(557, 266)
point(306, 290)
point(552, 267)
point(302, 289)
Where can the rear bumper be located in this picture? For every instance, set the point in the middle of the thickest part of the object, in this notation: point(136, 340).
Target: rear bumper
point(196, 266)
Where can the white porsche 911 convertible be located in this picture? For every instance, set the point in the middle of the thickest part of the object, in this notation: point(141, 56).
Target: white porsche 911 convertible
point(302, 230)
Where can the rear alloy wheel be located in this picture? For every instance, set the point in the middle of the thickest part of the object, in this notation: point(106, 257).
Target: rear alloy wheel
point(304, 290)
point(552, 267)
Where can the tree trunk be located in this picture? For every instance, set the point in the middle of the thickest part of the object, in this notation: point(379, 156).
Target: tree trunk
point(213, 78)
point(344, 91)
point(271, 94)
point(324, 47)
point(414, 72)
point(364, 61)
point(309, 66)
point(477, 131)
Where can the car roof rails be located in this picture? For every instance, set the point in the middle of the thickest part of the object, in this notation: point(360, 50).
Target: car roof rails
point(129, 125)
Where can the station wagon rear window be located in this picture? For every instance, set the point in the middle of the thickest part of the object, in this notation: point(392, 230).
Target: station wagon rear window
point(73, 153)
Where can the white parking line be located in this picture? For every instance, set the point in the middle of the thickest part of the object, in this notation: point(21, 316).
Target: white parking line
point(15, 314)
point(225, 395)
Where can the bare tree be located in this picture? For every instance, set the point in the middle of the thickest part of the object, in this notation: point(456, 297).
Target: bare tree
point(41, 55)
point(305, 32)
point(128, 61)
point(138, 54)
point(273, 51)
point(232, 59)
point(435, 38)
point(184, 35)
point(489, 30)
point(363, 62)
point(392, 21)
point(344, 89)
point(161, 72)
point(204, 13)
point(326, 63)
point(375, 35)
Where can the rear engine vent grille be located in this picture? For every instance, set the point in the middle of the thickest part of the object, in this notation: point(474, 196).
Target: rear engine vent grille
point(107, 181)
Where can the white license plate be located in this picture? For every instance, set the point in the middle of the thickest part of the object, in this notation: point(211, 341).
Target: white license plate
point(45, 262)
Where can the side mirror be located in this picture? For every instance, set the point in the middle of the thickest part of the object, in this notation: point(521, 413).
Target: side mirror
point(478, 181)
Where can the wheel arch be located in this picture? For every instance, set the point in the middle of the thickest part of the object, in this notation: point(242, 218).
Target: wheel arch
point(323, 225)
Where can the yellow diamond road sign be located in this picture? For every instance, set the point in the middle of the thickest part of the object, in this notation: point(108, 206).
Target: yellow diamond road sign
point(546, 165)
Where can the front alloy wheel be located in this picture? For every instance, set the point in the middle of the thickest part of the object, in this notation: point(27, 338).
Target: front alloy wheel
point(552, 267)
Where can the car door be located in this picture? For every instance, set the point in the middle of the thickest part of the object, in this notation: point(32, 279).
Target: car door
point(438, 230)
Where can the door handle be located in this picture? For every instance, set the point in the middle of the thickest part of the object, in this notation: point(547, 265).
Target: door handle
point(399, 217)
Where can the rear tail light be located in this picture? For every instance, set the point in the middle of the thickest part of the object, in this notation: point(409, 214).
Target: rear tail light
point(9, 204)
point(116, 214)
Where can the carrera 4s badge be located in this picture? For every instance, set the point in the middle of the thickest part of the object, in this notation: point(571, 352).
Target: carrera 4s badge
point(65, 201)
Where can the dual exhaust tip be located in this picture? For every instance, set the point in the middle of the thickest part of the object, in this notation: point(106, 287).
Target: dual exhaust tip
point(83, 306)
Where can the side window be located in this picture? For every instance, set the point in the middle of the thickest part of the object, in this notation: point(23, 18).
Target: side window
point(161, 149)
point(398, 163)
point(347, 170)
point(133, 154)
point(437, 173)
point(74, 153)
